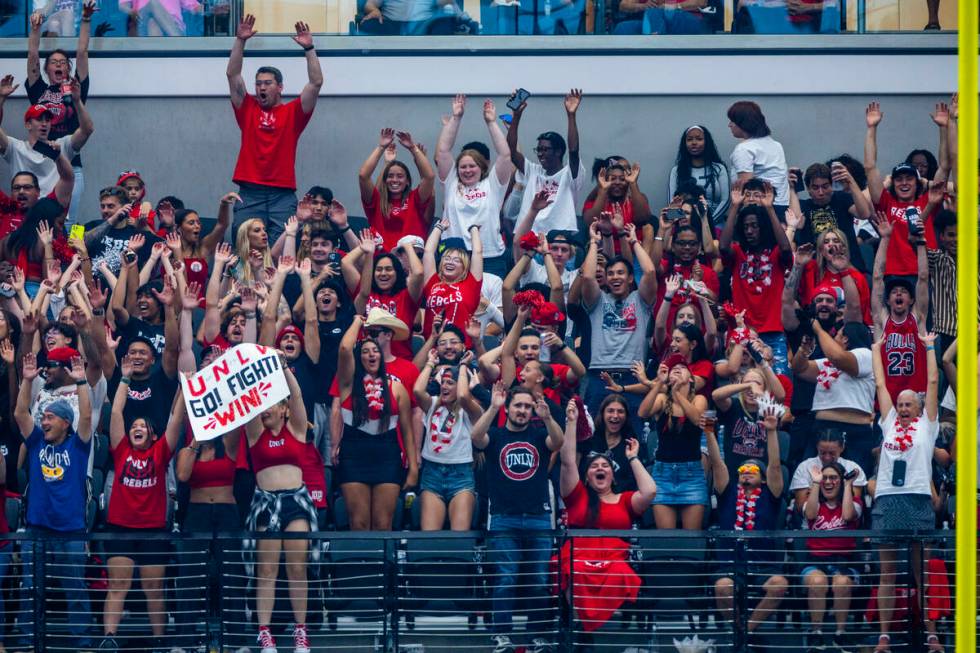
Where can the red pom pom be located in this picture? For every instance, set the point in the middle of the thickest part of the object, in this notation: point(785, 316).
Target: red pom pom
point(530, 241)
point(730, 309)
point(529, 298)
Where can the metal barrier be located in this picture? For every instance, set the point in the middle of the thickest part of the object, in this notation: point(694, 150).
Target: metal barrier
point(446, 591)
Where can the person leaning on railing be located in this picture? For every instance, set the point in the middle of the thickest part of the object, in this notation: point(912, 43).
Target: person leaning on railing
point(903, 493)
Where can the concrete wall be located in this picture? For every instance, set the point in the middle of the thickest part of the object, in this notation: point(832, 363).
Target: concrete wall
point(188, 147)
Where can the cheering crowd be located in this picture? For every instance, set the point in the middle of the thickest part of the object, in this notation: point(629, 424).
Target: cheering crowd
point(548, 348)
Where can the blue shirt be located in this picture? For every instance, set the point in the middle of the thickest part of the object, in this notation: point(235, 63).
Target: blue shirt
point(56, 475)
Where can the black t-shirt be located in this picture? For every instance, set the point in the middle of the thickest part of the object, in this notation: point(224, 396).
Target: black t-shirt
point(110, 247)
point(745, 437)
point(138, 328)
point(305, 372)
point(622, 473)
point(149, 398)
point(331, 334)
point(64, 117)
point(10, 442)
point(517, 471)
point(835, 214)
point(766, 519)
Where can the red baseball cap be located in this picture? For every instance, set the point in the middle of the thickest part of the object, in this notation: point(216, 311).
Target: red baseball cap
point(36, 111)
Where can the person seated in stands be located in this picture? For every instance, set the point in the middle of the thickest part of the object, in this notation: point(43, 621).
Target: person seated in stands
point(57, 447)
point(790, 17)
point(751, 504)
point(138, 504)
point(447, 479)
point(406, 17)
point(830, 449)
point(830, 506)
point(603, 579)
point(678, 17)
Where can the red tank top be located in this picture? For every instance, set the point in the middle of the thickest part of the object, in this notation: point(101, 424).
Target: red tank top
point(196, 269)
point(314, 477)
point(904, 357)
point(219, 472)
point(281, 449)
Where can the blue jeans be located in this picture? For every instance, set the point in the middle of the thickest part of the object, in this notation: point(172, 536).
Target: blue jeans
point(658, 20)
point(521, 558)
point(65, 561)
point(273, 205)
point(776, 340)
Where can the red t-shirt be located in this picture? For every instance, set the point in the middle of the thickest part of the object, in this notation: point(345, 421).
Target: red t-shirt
point(832, 519)
point(139, 487)
point(402, 306)
point(626, 206)
point(665, 270)
point(11, 215)
point(404, 372)
point(757, 286)
point(405, 219)
point(456, 301)
point(268, 151)
point(809, 281)
point(900, 257)
point(904, 357)
point(612, 516)
point(705, 370)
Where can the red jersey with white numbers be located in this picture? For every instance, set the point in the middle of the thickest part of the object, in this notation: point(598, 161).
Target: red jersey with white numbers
point(904, 357)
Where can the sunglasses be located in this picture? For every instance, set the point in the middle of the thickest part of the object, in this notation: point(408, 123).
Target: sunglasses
point(749, 469)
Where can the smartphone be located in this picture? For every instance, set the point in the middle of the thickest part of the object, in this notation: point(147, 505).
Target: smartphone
point(898, 473)
point(851, 474)
point(914, 221)
point(77, 231)
point(520, 96)
point(835, 186)
point(798, 184)
point(674, 214)
point(46, 150)
point(756, 356)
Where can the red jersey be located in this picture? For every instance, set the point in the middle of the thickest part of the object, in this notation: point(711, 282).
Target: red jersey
point(404, 218)
point(809, 281)
point(900, 257)
point(402, 306)
point(314, 476)
point(904, 357)
point(11, 215)
point(757, 286)
point(405, 372)
point(269, 137)
point(456, 301)
point(139, 486)
point(832, 519)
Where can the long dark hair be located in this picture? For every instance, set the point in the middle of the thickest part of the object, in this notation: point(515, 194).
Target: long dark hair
point(358, 397)
point(837, 467)
point(600, 423)
point(932, 166)
point(401, 281)
point(24, 238)
point(692, 333)
point(710, 156)
point(593, 501)
point(767, 239)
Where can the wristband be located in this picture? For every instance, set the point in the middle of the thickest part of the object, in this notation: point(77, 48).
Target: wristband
point(81, 383)
point(931, 348)
point(249, 315)
point(659, 239)
point(562, 347)
point(340, 231)
point(668, 296)
point(98, 312)
point(438, 226)
point(124, 379)
point(305, 49)
point(632, 458)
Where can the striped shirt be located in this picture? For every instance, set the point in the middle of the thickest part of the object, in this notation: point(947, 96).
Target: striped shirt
point(942, 291)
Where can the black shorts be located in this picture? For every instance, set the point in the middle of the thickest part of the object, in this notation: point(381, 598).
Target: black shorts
point(143, 553)
point(370, 459)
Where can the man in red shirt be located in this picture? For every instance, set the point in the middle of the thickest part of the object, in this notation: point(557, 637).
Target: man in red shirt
point(756, 249)
point(902, 317)
point(266, 167)
point(25, 192)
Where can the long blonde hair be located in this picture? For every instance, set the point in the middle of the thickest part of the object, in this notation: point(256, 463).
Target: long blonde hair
point(823, 260)
point(242, 248)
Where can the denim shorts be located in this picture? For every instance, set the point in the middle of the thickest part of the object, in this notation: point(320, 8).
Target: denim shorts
point(446, 480)
point(680, 484)
point(832, 569)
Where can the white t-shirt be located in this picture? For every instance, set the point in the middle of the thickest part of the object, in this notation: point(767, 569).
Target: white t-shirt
point(21, 157)
point(801, 477)
point(764, 158)
point(917, 455)
point(475, 205)
point(562, 189)
point(837, 389)
point(447, 436)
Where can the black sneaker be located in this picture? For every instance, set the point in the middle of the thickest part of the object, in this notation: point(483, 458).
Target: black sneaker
point(109, 644)
point(815, 642)
point(843, 643)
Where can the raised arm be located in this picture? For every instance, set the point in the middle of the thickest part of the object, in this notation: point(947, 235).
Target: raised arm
point(648, 282)
point(66, 180)
point(872, 117)
point(719, 470)
point(84, 34)
point(431, 245)
point(841, 358)
point(345, 356)
point(921, 307)
point(117, 422)
point(572, 101)
point(539, 201)
point(476, 256)
point(427, 176)
point(34, 51)
point(267, 336)
point(447, 137)
point(420, 389)
point(298, 423)
point(878, 311)
point(803, 255)
point(212, 298)
point(22, 408)
point(364, 181)
point(311, 325)
point(415, 274)
point(728, 231)
point(932, 377)
point(949, 364)
point(503, 166)
point(508, 366)
point(236, 85)
point(590, 287)
point(774, 468)
point(85, 125)
point(171, 329)
point(481, 429)
point(515, 120)
point(175, 426)
point(569, 477)
point(186, 362)
point(878, 367)
point(314, 74)
point(226, 209)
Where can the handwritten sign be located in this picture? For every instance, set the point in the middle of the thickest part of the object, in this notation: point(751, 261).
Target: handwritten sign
point(234, 389)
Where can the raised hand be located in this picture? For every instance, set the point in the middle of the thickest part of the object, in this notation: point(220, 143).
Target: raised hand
point(770, 418)
point(541, 200)
point(603, 179)
point(387, 137)
point(304, 268)
point(136, 241)
point(594, 234)
point(928, 339)
point(499, 396)
point(608, 380)
point(222, 254)
point(97, 295)
point(804, 253)
point(673, 285)
point(736, 195)
point(632, 447)
point(189, 300)
point(631, 234)
point(768, 195)
point(174, 243)
point(165, 296)
point(17, 279)
point(405, 139)
point(473, 328)
point(249, 300)
point(519, 110)
point(44, 233)
point(286, 265)
point(246, 28)
point(572, 100)
point(459, 105)
point(77, 370)
point(367, 244)
point(88, 8)
point(7, 351)
point(937, 191)
point(489, 111)
point(882, 224)
point(873, 114)
point(793, 219)
point(391, 152)
point(37, 19)
point(303, 35)
point(551, 340)
point(433, 358)
point(541, 408)
point(337, 214)
point(292, 226)
point(816, 474)
point(126, 366)
point(571, 411)
point(255, 259)
point(54, 273)
point(230, 198)
point(633, 174)
point(7, 85)
point(29, 369)
point(941, 115)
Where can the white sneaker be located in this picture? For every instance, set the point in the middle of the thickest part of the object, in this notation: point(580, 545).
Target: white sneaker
point(503, 644)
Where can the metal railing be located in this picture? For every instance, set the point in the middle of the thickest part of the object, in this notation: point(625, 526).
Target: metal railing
point(418, 591)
